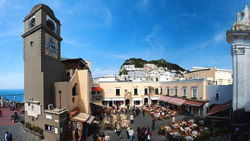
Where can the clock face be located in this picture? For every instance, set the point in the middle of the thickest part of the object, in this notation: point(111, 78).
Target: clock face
point(51, 47)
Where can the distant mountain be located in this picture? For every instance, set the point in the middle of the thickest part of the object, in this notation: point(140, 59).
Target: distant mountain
point(139, 63)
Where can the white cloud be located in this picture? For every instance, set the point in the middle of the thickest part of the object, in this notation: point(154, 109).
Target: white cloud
point(153, 33)
point(104, 72)
point(12, 81)
point(219, 37)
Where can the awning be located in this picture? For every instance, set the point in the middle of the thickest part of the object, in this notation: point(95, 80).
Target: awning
point(96, 89)
point(193, 103)
point(137, 98)
point(98, 102)
point(165, 98)
point(176, 101)
point(220, 108)
point(90, 120)
point(113, 99)
point(83, 117)
point(154, 98)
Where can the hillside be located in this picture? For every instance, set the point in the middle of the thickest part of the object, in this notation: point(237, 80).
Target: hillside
point(139, 63)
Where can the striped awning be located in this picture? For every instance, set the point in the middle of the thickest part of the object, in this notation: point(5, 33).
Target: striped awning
point(193, 103)
point(176, 101)
point(165, 98)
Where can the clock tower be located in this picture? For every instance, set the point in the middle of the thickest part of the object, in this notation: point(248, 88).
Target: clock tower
point(42, 67)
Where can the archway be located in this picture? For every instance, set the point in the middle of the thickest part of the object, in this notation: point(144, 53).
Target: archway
point(145, 101)
point(127, 102)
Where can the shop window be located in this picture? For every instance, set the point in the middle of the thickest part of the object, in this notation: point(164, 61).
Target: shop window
point(49, 128)
point(161, 91)
point(136, 102)
point(135, 91)
point(117, 92)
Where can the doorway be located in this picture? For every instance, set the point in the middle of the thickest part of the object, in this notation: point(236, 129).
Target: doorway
point(145, 101)
point(127, 102)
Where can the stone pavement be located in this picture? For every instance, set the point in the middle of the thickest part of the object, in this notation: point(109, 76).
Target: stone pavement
point(142, 122)
point(17, 132)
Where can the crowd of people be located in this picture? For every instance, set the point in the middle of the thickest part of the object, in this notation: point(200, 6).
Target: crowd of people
point(189, 129)
point(8, 136)
point(159, 112)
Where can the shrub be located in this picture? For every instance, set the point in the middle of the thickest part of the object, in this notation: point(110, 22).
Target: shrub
point(35, 128)
point(40, 130)
point(28, 125)
point(207, 134)
point(215, 132)
point(201, 137)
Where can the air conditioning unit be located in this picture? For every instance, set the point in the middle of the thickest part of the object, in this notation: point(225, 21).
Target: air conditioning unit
point(50, 107)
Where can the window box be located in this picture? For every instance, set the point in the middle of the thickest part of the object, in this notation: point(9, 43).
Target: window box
point(184, 97)
point(194, 98)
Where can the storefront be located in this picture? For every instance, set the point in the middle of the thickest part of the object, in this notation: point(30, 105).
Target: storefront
point(154, 100)
point(193, 107)
point(176, 103)
point(79, 122)
point(163, 100)
point(137, 101)
point(113, 101)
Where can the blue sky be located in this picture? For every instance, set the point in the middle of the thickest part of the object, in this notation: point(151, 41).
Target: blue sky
point(186, 32)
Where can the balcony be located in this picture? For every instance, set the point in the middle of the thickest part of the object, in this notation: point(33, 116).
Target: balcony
point(97, 96)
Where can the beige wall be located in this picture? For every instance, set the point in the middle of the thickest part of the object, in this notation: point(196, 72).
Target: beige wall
point(109, 88)
point(204, 73)
point(82, 80)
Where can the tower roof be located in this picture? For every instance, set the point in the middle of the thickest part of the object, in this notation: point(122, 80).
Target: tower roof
point(37, 7)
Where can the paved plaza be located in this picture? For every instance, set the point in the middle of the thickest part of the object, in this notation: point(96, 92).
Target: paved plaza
point(142, 122)
point(20, 135)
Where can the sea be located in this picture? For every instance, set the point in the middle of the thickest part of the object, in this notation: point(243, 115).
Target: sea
point(9, 94)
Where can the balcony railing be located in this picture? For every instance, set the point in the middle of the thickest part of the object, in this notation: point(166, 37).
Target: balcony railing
point(97, 96)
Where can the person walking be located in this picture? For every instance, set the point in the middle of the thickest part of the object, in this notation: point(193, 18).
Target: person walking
point(131, 134)
point(173, 119)
point(10, 137)
point(153, 124)
point(107, 137)
point(122, 139)
point(148, 134)
point(76, 135)
point(143, 112)
point(132, 119)
point(118, 129)
point(95, 137)
point(127, 132)
point(6, 137)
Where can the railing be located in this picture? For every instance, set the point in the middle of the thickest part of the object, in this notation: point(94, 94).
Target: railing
point(97, 96)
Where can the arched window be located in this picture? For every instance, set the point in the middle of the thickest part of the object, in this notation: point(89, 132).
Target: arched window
point(32, 22)
point(50, 24)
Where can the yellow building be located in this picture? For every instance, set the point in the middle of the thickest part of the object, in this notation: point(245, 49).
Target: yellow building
point(188, 95)
point(217, 76)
